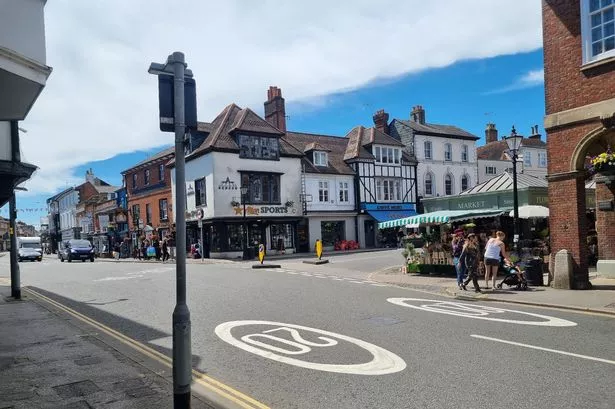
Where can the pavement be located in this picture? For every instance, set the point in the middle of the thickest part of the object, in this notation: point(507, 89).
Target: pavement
point(600, 299)
point(48, 362)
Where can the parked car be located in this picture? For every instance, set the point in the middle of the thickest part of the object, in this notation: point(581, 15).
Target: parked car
point(76, 250)
point(29, 248)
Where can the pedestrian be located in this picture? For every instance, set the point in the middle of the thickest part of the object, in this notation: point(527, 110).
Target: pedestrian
point(469, 258)
point(165, 250)
point(457, 247)
point(494, 250)
point(156, 244)
point(400, 238)
point(144, 245)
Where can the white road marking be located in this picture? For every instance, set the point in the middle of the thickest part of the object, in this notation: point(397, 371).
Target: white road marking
point(380, 285)
point(292, 272)
point(479, 312)
point(118, 278)
point(555, 351)
point(338, 279)
point(356, 282)
point(383, 362)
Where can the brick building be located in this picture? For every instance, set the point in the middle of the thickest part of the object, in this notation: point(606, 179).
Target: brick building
point(579, 58)
point(148, 188)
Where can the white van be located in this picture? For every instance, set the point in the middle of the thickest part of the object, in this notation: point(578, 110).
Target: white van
point(29, 248)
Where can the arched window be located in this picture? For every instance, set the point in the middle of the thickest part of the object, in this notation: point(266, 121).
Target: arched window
point(465, 181)
point(448, 184)
point(429, 188)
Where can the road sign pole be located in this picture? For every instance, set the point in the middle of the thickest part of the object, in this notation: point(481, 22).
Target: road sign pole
point(182, 354)
point(202, 242)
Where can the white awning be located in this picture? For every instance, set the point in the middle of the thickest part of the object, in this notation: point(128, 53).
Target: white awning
point(442, 216)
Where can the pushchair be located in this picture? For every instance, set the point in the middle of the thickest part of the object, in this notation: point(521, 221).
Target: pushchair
point(513, 277)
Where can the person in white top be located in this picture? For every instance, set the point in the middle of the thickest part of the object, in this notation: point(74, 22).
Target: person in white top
point(494, 249)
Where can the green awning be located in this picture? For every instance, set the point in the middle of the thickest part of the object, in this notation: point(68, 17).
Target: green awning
point(442, 216)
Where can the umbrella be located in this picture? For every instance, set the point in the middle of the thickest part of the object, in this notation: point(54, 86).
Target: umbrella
point(531, 212)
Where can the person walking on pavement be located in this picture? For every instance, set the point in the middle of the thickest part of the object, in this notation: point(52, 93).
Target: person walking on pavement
point(469, 258)
point(457, 247)
point(165, 250)
point(494, 249)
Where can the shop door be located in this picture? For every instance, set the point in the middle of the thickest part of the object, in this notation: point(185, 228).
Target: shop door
point(370, 239)
point(303, 236)
point(256, 235)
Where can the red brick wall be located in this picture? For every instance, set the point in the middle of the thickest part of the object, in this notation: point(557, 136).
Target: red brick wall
point(153, 178)
point(153, 200)
point(562, 142)
point(566, 86)
point(605, 223)
point(86, 191)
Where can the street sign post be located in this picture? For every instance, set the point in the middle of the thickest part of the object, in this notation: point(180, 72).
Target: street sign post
point(175, 67)
point(199, 215)
point(318, 249)
point(261, 253)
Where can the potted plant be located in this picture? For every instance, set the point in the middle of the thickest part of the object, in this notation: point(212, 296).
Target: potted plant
point(235, 203)
point(289, 203)
point(603, 165)
point(411, 258)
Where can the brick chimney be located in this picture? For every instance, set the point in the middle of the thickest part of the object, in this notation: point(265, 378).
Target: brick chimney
point(275, 111)
point(418, 114)
point(535, 134)
point(381, 121)
point(491, 133)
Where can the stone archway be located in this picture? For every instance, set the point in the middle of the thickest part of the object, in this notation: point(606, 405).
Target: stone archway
point(594, 143)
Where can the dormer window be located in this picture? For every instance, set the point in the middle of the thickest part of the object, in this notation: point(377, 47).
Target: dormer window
point(320, 158)
point(387, 155)
point(258, 147)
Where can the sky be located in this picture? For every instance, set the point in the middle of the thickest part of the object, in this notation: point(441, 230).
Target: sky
point(466, 62)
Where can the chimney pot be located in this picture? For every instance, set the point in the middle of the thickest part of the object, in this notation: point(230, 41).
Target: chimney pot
point(491, 133)
point(275, 110)
point(381, 121)
point(418, 114)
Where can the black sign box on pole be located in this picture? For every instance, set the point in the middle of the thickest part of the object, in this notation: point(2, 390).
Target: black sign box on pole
point(166, 105)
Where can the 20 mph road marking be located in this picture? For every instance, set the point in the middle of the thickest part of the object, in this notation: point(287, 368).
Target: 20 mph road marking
point(383, 362)
point(478, 312)
point(555, 351)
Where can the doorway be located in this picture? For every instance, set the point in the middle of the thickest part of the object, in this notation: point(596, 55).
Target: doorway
point(370, 238)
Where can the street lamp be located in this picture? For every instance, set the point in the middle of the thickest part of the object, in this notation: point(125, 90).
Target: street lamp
point(514, 143)
point(244, 192)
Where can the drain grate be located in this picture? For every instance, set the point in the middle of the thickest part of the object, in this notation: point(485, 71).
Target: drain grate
point(76, 389)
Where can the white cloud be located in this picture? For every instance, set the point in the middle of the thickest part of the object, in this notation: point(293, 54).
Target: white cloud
point(530, 79)
point(100, 101)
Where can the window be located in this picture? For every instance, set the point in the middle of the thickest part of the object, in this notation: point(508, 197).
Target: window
point(448, 185)
point(148, 213)
point(598, 29)
point(490, 170)
point(258, 147)
point(388, 190)
point(320, 158)
point(161, 172)
point(542, 159)
point(234, 237)
point(146, 177)
point(387, 155)
point(448, 152)
point(281, 236)
point(464, 153)
point(200, 194)
point(134, 180)
point(427, 147)
point(163, 209)
point(464, 182)
point(344, 192)
point(527, 158)
point(136, 215)
point(332, 232)
point(428, 184)
point(323, 191)
point(263, 188)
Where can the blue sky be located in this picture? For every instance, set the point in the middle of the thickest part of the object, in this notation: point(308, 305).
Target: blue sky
point(505, 90)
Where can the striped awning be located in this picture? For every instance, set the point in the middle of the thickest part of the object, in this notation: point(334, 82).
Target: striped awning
point(442, 216)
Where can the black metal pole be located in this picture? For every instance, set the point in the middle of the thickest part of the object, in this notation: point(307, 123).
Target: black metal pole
point(245, 227)
point(182, 352)
point(15, 275)
point(516, 233)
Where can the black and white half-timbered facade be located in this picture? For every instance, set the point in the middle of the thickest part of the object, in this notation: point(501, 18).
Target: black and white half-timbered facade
point(385, 180)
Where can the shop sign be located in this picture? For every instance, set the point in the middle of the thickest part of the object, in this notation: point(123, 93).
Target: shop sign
point(263, 210)
point(479, 204)
point(395, 206)
point(227, 184)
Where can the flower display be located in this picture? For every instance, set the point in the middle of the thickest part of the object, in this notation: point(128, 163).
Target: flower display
point(602, 162)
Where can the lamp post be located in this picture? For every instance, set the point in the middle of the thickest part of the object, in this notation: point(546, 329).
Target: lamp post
point(244, 192)
point(514, 142)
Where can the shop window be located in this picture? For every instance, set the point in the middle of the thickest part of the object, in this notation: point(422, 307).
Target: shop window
point(281, 236)
point(235, 237)
point(215, 238)
point(263, 188)
point(332, 232)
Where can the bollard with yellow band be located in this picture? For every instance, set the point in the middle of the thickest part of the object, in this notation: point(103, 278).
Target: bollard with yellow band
point(318, 249)
point(261, 253)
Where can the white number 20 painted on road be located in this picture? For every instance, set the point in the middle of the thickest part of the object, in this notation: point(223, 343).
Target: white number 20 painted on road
point(383, 362)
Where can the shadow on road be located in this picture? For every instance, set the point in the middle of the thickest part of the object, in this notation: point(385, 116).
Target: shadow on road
point(130, 328)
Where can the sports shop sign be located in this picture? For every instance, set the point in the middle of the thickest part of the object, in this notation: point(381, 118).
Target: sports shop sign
point(263, 210)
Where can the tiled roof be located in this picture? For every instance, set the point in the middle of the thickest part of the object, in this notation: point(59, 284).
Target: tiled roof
point(439, 130)
point(335, 145)
point(504, 181)
point(533, 143)
point(492, 151)
point(375, 136)
point(355, 148)
point(233, 119)
point(315, 146)
point(159, 155)
point(106, 188)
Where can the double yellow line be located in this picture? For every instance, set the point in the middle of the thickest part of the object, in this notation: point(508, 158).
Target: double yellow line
point(208, 382)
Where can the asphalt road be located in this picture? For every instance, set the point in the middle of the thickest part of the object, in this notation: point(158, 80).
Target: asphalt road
point(325, 337)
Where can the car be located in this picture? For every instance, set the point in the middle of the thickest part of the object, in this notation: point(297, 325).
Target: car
point(29, 248)
point(76, 249)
